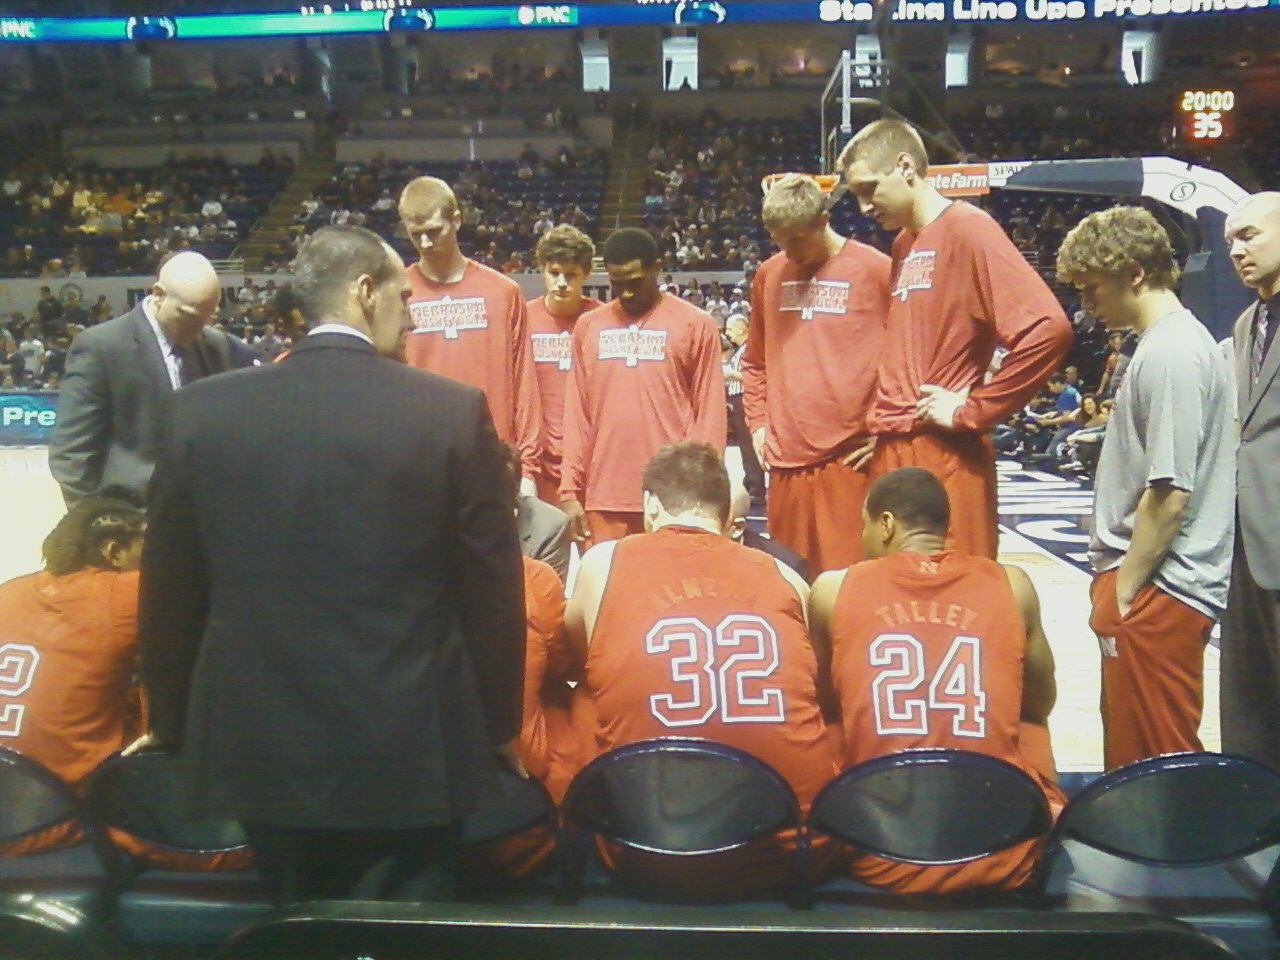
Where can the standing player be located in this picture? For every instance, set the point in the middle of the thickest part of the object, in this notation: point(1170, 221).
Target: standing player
point(932, 648)
point(468, 321)
point(1164, 510)
point(564, 256)
point(681, 593)
point(809, 370)
point(960, 288)
point(646, 373)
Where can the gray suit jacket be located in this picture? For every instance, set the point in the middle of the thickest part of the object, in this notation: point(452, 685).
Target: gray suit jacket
point(544, 534)
point(114, 404)
point(1258, 456)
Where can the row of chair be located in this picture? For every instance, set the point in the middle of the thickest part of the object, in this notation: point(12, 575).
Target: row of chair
point(673, 796)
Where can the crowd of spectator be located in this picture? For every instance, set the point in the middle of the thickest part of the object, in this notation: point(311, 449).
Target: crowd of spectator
point(86, 220)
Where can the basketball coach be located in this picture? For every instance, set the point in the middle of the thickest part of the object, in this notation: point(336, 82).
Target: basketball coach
point(331, 623)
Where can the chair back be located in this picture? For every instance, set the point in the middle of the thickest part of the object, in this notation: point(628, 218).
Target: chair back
point(1183, 809)
point(932, 807)
point(142, 796)
point(32, 798)
point(525, 804)
point(679, 796)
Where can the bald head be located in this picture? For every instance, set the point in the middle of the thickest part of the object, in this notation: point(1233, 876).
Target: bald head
point(185, 296)
point(1253, 242)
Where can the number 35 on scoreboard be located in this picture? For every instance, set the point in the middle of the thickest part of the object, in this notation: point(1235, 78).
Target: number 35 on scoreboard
point(1205, 115)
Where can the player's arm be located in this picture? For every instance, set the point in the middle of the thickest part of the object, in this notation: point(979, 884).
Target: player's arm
point(1039, 688)
point(80, 434)
point(1156, 521)
point(710, 420)
point(1028, 322)
point(753, 369)
point(822, 604)
point(584, 601)
point(576, 440)
point(527, 424)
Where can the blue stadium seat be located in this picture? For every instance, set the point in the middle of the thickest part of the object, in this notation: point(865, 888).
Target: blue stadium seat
point(677, 797)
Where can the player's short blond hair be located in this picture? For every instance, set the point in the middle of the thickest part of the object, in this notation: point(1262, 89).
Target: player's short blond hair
point(880, 143)
point(1111, 241)
point(796, 200)
point(429, 195)
point(565, 243)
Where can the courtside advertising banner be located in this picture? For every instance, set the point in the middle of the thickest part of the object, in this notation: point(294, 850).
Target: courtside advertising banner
point(27, 419)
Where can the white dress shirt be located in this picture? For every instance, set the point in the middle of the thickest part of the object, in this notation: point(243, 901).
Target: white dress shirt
point(172, 361)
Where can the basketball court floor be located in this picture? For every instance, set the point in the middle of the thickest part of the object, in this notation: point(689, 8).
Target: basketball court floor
point(1040, 514)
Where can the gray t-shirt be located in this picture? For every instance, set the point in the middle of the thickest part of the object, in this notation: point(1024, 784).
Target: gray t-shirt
point(1172, 422)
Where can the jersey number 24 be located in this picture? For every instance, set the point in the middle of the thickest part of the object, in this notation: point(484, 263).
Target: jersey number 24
point(906, 699)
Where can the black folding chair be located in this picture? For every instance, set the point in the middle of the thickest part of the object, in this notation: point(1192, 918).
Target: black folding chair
point(38, 810)
point(932, 807)
point(140, 795)
point(525, 809)
point(676, 797)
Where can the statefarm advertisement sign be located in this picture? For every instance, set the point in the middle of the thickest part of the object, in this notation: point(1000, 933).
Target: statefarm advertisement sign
point(972, 179)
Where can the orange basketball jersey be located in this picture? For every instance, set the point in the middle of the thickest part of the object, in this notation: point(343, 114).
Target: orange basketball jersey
point(700, 637)
point(927, 651)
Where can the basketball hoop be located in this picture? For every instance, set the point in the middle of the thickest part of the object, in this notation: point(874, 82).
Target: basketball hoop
point(832, 184)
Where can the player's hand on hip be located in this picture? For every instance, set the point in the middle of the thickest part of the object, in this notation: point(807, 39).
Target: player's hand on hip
point(579, 529)
point(938, 405)
point(507, 753)
point(860, 456)
point(757, 444)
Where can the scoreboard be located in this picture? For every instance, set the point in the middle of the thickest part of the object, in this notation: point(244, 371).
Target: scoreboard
point(1206, 116)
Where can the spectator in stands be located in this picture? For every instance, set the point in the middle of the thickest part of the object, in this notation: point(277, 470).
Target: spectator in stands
point(11, 364)
point(1061, 421)
point(640, 587)
point(469, 322)
point(1251, 628)
point(115, 396)
point(73, 312)
point(646, 372)
point(967, 628)
point(1164, 508)
point(32, 351)
point(48, 313)
point(55, 362)
point(336, 712)
point(269, 346)
point(71, 641)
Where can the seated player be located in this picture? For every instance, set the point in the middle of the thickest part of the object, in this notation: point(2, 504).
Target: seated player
point(70, 697)
point(931, 648)
point(630, 617)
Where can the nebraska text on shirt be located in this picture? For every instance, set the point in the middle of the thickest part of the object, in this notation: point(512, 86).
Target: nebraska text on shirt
point(553, 348)
point(448, 315)
point(633, 345)
point(916, 273)
point(814, 296)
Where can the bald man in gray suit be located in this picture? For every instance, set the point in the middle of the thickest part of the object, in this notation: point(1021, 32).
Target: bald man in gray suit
point(1251, 626)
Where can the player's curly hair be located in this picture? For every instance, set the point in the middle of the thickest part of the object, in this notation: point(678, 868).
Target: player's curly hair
point(77, 541)
point(565, 243)
point(1111, 241)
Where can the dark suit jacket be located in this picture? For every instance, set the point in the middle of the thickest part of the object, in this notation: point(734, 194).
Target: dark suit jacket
point(1258, 414)
point(331, 548)
point(113, 405)
point(544, 534)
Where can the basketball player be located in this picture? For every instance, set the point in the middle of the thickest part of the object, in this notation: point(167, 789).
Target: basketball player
point(959, 289)
point(564, 255)
point(809, 370)
point(70, 649)
point(1164, 507)
point(468, 322)
point(646, 373)
point(933, 648)
point(646, 605)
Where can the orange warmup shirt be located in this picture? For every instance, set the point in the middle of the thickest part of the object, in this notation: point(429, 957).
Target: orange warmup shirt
point(552, 350)
point(474, 331)
point(637, 385)
point(753, 638)
point(809, 369)
point(69, 648)
point(960, 288)
point(928, 652)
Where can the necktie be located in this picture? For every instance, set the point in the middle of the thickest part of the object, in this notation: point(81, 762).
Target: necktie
point(1259, 351)
point(187, 371)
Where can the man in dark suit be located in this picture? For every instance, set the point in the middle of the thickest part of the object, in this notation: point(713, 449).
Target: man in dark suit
point(332, 613)
point(120, 377)
point(1251, 627)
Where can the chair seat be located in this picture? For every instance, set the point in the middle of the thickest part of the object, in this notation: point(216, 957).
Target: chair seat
point(73, 875)
point(165, 906)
